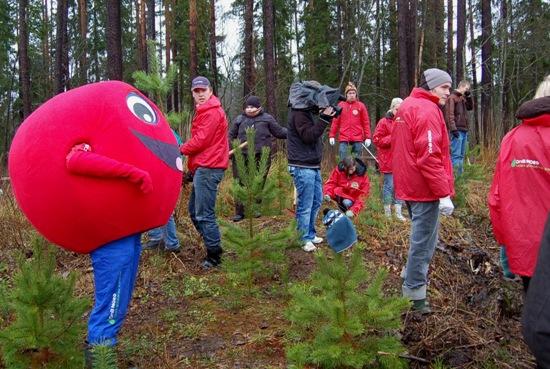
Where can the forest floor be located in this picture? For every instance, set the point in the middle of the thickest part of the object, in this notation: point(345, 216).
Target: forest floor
point(182, 317)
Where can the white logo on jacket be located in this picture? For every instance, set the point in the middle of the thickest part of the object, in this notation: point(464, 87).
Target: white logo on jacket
point(430, 143)
point(355, 111)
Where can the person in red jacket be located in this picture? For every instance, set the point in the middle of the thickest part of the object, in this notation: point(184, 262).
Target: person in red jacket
point(348, 185)
point(423, 175)
point(353, 124)
point(208, 157)
point(382, 140)
point(519, 199)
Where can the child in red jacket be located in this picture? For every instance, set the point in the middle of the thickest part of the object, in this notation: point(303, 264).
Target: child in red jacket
point(348, 185)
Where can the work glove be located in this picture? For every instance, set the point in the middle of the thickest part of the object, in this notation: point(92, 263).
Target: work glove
point(367, 142)
point(349, 214)
point(331, 141)
point(327, 198)
point(455, 133)
point(446, 206)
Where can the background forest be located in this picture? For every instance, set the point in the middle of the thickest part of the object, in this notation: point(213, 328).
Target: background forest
point(51, 46)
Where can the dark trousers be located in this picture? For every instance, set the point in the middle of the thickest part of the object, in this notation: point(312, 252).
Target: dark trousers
point(239, 206)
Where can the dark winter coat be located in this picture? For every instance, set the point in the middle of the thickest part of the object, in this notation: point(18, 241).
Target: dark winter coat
point(456, 111)
point(304, 144)
point(266, 128)
point(536, 314)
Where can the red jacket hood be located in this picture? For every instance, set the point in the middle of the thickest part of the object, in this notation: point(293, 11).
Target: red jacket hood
point(424, 94)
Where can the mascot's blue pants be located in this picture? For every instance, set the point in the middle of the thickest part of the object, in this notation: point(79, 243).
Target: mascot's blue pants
point(115, 267)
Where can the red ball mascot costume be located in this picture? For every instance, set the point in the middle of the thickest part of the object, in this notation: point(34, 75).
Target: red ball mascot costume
point(92, 168)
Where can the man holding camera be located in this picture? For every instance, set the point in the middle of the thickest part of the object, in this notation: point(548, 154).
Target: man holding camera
point(353, 124)
point(305, 151)
point(423, 176)
point(456, 117)
point(208, 157)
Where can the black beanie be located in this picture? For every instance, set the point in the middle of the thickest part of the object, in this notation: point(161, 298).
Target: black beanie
point(253, 101)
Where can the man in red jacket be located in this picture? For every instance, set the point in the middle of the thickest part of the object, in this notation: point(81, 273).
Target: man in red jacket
point(423, 175)
point(208, 157)
point(353, 124)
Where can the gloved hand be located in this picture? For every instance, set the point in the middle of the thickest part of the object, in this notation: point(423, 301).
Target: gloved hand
point(455, 133)
point(349, 214)
point(331, 141)
point(467, 93)
point(327, 198)
point(446, 206)
point(368, 142)
point(327, 114)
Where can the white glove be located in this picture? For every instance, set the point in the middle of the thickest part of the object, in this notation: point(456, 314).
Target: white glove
point(331, 141)
point(446, 206)
point(349, 213)
point(367, 142)
point(327, 198)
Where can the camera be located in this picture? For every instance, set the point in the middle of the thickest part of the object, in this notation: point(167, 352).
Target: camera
point(307, 95)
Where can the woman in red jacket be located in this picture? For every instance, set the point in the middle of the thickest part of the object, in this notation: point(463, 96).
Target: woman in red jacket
point(382, 140)
point(348, 185)
point(519, 199)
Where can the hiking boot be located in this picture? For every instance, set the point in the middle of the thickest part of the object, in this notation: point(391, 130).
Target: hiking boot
point(317, 240)
point(152, 245)
point(237, 218)
point(210, 263)
point(309, 247)
point(422, 306)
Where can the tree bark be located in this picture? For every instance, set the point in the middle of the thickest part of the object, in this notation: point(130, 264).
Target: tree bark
point(460, 38)
point(477, 131)
point(61, 52)
point(141, 36)
point(249, 75)
point(269, 58)
point(212, 45)
point(411, 43)
point(24, 63)
point(439, 34)
point(113, 33)
point(83, 15)
point(486, 72)
point(406, 30)
point(151, 35)
point(450, 35)
point(46, 46)
point(193, 58)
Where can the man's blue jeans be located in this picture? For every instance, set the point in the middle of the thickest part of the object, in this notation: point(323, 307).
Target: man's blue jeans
point(309, 196)
point(202, 207)
point(115, 266)
point(458, 151)
point(343, 149)
point(424, 229)
point(388, 191)
point(167, 233)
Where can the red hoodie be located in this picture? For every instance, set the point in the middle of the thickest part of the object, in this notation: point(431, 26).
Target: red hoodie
point(208, 144)
point(355, 187)
point(353, 123)
point(422, 169)
point(519, 199)
point(382, 140)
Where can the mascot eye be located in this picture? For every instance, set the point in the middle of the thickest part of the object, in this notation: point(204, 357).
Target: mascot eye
point(141, 109)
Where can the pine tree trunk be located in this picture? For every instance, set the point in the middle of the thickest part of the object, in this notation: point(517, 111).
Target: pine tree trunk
point(193, 57)
point(450, 35)
point(113, 34)
point(402, 29)
point(411, 43)
point(212, 45)
point(24, 63)
point(46, 46)
point(297, 33)
point(339, 52)
point(61, 52)
point(168, 21)
point(151, 35)
point(249, 77)
point(83, 15)
point(439, 34)
point(486, 72)
point(477, 129)
point(460, 38)
point(504, 39)
point(269, 59)
point(141, 36)
point(378, 80)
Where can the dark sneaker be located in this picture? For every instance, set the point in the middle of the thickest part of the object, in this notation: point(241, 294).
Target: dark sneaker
point(237, 218)
point(152, 245)
point(421, 306)
point(175, 250)
point(209, 263)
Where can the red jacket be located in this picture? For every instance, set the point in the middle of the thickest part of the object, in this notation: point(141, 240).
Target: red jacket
point(208, 144)
point(519, 199)
point(355, 187)
point(382, 140)
point(353, 123)
point(421, 163)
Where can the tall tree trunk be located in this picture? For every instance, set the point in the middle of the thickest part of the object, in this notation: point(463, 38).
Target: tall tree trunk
point(406, 29)
point(168, 21)
point(24, 63)
point(61, 52)
point(450, 37)
point(297, 33)
point(378, 78)
point(194, 61)
point(439, 34)
point(150, 20)
point(113, 33)
point(504, 40)
point(212, 45)
point(486, 72)
point(249, 75)
point(411, 43)
point(460, 38)
point(46, 46)
point(141, 36)
point(340, 43)
point(477, 130)
point(83, 15)
point(269, 58)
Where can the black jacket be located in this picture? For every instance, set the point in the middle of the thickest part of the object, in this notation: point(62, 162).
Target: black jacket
point(304, 144)
point(266, 128)
point(536, 310)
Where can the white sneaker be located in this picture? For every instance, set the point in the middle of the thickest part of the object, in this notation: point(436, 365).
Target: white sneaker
point(309, 247)
point(387, 211)
point(317, 240)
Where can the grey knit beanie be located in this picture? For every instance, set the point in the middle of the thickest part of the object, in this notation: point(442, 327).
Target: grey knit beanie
point(433, 77)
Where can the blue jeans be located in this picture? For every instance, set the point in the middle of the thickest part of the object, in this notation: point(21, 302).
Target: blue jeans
point(310, 193)
point(167, 233)
point(458, 151)
point(202, 207)
point(424, 229)
point(388, 191)
point(355, 149)
point(115, 266)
